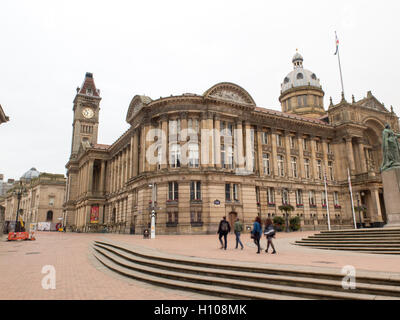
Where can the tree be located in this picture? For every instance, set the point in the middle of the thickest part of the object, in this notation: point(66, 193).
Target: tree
point(286, 208)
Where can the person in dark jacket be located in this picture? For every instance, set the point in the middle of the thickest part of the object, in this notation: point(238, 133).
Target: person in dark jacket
point(223, 230)
point(256, 232)
point(269, 233)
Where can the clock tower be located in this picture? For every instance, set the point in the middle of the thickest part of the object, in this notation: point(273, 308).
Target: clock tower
point(86, 115)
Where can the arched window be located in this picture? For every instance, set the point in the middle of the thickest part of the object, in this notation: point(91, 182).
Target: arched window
point(300, 76)
point(49, 216)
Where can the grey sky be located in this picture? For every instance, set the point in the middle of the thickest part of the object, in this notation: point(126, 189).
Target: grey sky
point(159, 48)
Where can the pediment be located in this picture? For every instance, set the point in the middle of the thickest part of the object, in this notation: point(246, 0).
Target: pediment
point(137, 103)
point(230, 92)
point(372, 103)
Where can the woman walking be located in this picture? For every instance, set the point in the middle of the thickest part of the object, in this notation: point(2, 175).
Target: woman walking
point(269, 232)
point(256, 232)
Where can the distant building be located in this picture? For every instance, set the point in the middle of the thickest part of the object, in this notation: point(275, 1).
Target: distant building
point(42, 201)
point(5, 186)
point(3, 117)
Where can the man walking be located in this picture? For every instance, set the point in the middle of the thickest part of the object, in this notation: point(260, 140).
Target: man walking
point(223, 230)
point(238, 227)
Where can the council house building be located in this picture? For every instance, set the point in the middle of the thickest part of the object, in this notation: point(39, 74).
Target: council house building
point(195, 158)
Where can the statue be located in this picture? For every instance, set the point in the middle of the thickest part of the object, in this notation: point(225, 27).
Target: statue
point(391, 149)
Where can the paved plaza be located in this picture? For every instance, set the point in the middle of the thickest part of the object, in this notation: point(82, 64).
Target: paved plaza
point(80, 276)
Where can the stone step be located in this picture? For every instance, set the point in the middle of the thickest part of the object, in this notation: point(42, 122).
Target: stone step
point(361, 236)
point(340, 242)
point(363, 231)
point(350, 248)
point(322, 284)
point(217, 285)
point(257, 268)
point(193, 287)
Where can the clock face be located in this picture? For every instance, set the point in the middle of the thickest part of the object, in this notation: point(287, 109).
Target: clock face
point(88, 113)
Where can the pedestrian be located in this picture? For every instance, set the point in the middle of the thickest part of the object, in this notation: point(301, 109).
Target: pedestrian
point(238, 227)
point(269, 233)
point(256, 232)
point(223, 230)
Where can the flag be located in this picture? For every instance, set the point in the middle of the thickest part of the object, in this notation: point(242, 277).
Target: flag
point(337, 44)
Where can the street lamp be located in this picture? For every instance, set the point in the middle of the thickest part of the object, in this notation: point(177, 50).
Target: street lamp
point(18, 191)
point(153, 212)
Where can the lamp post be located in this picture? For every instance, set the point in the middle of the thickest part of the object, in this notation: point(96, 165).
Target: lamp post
point(18, 191)
point(153, 212)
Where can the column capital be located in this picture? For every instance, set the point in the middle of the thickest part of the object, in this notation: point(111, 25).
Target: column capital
point(238, 122)
point(217, 117)
point(183, 115)
point(247, 123)
point(300, 135)
point(259, 128)
point(164, 117)
point(274, 131)
point(348, 138)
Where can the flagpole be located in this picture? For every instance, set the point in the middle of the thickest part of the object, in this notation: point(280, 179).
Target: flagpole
point(340, 66)
point(327, 204)
point(352, 202)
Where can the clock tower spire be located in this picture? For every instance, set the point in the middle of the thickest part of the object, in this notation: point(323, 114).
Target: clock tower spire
point(86, 115)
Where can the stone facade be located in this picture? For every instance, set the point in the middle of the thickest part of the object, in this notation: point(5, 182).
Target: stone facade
point(236, 160)
point(42, 201)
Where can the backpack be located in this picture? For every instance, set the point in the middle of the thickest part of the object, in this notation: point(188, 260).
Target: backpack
point(224, 226)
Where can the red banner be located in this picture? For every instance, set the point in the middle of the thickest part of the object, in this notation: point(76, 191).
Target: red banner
point(94, 214)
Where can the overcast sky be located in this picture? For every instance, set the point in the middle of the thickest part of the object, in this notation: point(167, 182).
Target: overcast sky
point(159, 48)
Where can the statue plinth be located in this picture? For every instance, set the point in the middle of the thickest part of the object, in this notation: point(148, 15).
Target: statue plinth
point(391, 194)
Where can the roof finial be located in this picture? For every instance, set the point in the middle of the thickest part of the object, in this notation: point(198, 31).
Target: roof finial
point(343, 99)
point(331, 102)
point(352, 99)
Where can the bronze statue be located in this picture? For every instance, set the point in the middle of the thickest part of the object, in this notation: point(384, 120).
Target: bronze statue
point(391, 149)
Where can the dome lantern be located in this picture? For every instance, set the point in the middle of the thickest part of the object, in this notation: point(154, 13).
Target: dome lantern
point(297, 60)
point(301, 91)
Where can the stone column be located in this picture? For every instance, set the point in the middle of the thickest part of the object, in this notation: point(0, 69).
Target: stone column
point(142, 148)
point(102, 176)
point(113, 174)
point(210, 127)
point(377, 213)
point(217, 141)
point(204, 148)
point(164, 142)
point(135, 164)
point(350, 154)
point(183, 138)
point(325, 154)
point(130, 161)
point(121, 169)
point(301, 156)
point(148, 142)
point(260, 151)
point(238, 151)
point(118, 173)
point(361, 151)
point(274, 160)
point(249, 148)
point(313, 159)
point(288, 155)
